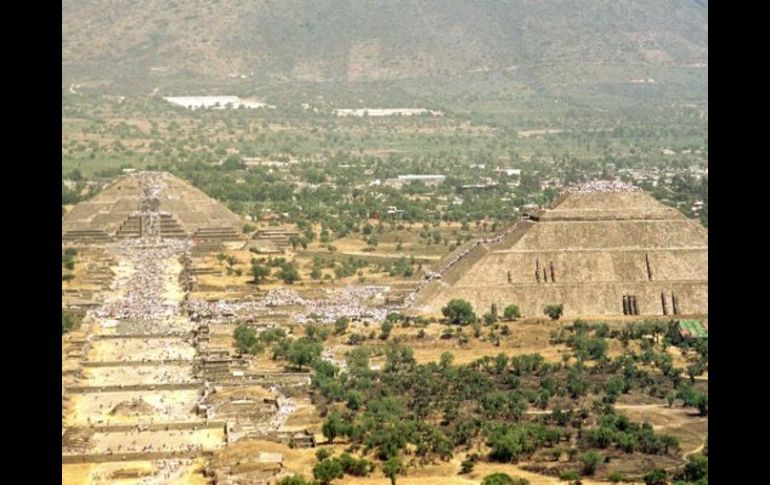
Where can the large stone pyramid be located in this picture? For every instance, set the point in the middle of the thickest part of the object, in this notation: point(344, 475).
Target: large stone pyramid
point(598, 253)
point(184, 211)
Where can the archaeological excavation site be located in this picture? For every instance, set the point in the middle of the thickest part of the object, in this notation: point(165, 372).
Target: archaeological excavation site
point(155, 390)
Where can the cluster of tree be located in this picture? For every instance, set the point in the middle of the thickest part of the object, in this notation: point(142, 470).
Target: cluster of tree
point(618, 430)
point(402, 267)
point(260, 270)
point(299, 352)
point(230, 261)
point(349, 267)
point(329, 468)
point(249, 341)
point(588, 342)
point(694, 398)
point(509, 443)
point(460, 312)
point(495, 392)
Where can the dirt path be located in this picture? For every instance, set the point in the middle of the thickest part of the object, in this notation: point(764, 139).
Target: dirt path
point(692, 452)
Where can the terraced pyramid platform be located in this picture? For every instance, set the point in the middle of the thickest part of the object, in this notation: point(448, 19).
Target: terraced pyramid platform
point(598, 253)
point(185, 211)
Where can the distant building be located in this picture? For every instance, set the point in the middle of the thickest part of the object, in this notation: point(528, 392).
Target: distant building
point(422, 178)
point(511, 172)
point(394, 211)
point(402, 180)
point(467, 187)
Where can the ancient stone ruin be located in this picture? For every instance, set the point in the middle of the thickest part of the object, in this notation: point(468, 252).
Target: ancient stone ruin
point(130, 207)
point(605, 250)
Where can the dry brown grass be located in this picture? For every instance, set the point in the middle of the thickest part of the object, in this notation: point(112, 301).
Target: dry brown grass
point(525, 338)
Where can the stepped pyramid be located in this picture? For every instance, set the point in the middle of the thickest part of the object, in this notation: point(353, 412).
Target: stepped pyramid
point(598, 253)
point(184, 210)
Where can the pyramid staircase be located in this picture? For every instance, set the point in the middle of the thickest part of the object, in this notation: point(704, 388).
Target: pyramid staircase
point(131, 228)
point(227, 233)
point(279, 237)
point(170, 227)
point(86, 236)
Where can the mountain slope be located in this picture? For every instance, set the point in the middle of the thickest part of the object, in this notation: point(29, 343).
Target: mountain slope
point(358, 40)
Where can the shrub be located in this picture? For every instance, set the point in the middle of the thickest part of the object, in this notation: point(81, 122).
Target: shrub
point(67, 323)
point(503, 479)
point(554, 312)
point(352, 466)
point(292, 480)
point(656, 477)
point(327, 470)
point(590, 461)
point(512, 312)
point(341, 325)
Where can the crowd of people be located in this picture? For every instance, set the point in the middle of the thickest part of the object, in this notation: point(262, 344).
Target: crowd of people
point(602, 186)
point(142, 295)
point(349, 302)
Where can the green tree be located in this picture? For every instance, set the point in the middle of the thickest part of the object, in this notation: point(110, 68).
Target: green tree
point(554, 312)
point(288, 274)
point(392, 467)
point(258, 272)
point(341, 325)
point(246, 340)
point(352, 466)
point(656, 477)
point(333, 426)
point(327, 470)
point(322, 453)
point(512, 312)
point(697, 468)
point(459, 311)
point(387, 327)
point(294, 241)
point(302, 352)
point(590, 461)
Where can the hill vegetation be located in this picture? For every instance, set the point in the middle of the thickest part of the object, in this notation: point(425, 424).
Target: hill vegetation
point(541, 43)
